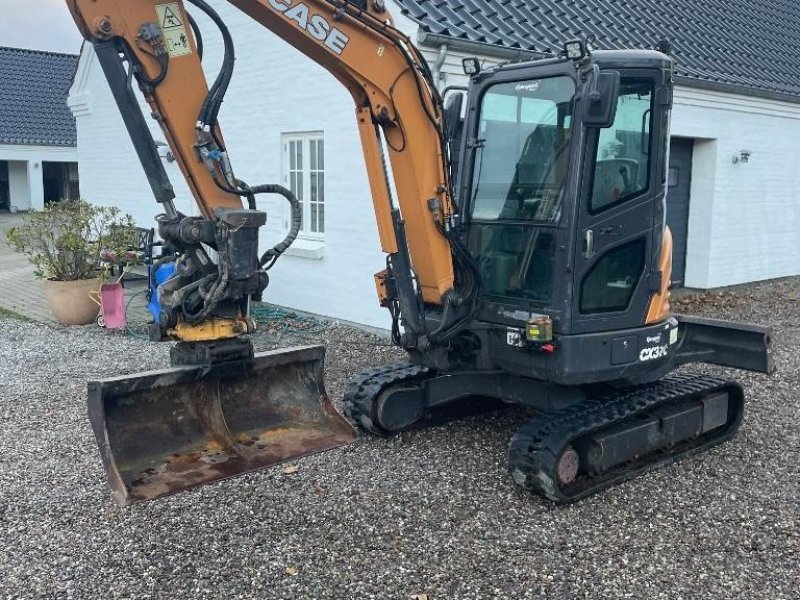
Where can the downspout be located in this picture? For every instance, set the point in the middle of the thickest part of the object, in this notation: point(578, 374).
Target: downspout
point(438, 76)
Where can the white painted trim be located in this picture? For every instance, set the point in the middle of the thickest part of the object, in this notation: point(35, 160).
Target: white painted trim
point(39, 153)
point(79, 98)
point(305, 248)
point(736, 103)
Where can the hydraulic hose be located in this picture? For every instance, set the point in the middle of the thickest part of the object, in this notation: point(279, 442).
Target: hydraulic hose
point(208, 118)
point(271, 255)
point(198, 35)
point(213, 102)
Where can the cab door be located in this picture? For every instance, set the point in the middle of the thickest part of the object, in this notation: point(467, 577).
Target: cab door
point(620, 214)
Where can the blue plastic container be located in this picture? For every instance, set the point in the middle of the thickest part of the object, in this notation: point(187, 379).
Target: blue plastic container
point(164, 272)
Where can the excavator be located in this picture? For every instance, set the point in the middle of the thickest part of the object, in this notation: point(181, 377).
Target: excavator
point(527, 259)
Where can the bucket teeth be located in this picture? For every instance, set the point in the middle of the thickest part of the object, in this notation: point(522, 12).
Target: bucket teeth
point(165, 431)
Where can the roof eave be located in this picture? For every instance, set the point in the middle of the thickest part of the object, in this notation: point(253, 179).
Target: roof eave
point(427, 38)
point(503, 52)
point(37, 143)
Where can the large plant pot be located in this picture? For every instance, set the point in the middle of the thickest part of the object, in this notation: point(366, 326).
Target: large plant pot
point(70, 300)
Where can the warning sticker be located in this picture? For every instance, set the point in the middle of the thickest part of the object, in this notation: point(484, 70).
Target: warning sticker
point(176, 37)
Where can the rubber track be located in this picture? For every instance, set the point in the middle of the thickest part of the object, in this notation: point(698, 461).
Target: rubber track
point(535, 447)
point(361, 392)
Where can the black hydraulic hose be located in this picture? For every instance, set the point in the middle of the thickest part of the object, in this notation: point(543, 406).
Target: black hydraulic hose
point(198, 35)
point(271, 255)
point(163, 61)
point(211, 106)
point(208, 117)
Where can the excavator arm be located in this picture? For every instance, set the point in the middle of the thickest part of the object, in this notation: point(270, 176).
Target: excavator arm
point(398, 112)
point(222, 409)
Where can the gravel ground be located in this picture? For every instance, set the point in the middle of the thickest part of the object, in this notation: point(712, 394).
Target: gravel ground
point(427, 513)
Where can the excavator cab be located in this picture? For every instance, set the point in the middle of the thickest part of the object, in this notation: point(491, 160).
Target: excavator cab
point(561, 154)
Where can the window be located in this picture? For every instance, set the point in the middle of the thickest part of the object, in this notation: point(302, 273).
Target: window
point(304, 174)
point(622, 168)
point(520, 173)
point(524, 134)
point(609, 286)
point(61, 181)
point(674, 177)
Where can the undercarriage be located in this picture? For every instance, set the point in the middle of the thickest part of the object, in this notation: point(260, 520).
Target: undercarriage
point(585, 438)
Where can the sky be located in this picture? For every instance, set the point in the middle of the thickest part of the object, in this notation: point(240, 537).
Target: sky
point(39, 25)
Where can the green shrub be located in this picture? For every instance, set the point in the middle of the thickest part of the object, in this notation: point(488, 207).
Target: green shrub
point(72, 240)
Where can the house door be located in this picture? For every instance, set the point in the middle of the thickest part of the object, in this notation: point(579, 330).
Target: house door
point(679, 186)
point(60, 181)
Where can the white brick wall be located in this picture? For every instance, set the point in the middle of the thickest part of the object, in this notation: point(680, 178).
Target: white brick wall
point(743, 222)
point(744, 218)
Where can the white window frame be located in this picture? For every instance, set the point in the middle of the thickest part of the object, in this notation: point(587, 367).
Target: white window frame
point(306, 140)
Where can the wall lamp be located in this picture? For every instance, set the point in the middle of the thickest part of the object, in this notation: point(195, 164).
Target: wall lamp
point(743, 156)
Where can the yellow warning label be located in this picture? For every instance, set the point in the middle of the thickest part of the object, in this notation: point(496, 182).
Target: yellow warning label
point(176, 37)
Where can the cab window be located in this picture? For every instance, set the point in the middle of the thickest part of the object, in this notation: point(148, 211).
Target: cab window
point(521, 163)
point(622, 161)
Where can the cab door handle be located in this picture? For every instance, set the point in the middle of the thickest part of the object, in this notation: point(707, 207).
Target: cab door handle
point(588, 244)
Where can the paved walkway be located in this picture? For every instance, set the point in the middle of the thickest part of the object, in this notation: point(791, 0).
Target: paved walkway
point(20, 291)
point(23, 294)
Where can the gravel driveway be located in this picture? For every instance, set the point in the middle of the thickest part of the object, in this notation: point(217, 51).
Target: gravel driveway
point(431, 512)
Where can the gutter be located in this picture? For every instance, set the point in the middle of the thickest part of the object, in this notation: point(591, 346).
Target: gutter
point(436, 70)
point(435, 39)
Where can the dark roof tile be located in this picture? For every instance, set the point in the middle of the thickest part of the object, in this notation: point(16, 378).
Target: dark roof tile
point(33, 98)
point(753, 44)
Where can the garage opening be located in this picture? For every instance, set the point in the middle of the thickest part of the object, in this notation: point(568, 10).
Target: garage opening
point(60, 181)
point(5, 191)
point(679, 182)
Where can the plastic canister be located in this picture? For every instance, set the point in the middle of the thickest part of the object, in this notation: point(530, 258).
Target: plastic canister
point(162, 274)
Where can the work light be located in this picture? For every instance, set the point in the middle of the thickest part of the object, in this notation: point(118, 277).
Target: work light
point(472, 66)
point(574, 50)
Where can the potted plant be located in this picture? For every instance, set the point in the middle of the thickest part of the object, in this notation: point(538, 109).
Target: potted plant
point(71, 244)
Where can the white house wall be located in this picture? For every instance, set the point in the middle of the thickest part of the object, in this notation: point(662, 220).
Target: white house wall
point(109, 170)
point(744, 217)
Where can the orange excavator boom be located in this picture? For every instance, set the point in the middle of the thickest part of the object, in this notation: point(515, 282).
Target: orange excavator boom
point(222, 409)
point(358, 44)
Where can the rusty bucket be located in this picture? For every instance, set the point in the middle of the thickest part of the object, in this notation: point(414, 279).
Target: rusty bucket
point(162, 432)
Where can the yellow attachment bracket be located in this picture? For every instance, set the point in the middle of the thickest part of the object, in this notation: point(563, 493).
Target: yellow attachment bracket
point(212, 330)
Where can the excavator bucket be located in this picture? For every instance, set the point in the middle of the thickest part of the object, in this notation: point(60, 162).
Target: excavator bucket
point(165, 431)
